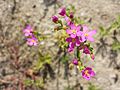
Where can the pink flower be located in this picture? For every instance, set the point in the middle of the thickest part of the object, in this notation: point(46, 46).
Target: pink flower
point(75, 61)
point(87, 73)
point(72, 43)
point(62, 11)
point(28, 31)
point(54, 19)
point(87, 35)
point(32, 41)
point(74, 31)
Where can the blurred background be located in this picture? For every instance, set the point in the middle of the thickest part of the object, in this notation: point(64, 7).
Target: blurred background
point(43, 67)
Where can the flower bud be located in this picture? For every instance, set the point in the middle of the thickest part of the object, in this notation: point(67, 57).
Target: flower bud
point(86, 50)
point(92, 56)
point(62, 11)
point(71, 15)
point(55, 19)
point(75, 62)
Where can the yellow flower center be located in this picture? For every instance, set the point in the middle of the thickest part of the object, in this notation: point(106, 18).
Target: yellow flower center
point(73, 39)
point(86, 73)
point(74, 31)
point(64, 27)
point(86, 34)
point(33, 41)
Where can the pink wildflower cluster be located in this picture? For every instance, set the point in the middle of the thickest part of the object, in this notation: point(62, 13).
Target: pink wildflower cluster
point(80, 36)
point(31, 39)
point(87, 72)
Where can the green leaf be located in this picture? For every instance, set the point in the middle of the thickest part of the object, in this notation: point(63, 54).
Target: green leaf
point(93, 87)
point(79, 21)
point(81, 68)
point(65, 59)
point(28, 82)
point(39, 82)
point(116, 46)
point(43, 59)
point(103, 31)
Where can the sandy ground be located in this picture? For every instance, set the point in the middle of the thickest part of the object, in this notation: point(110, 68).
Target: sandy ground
point(13, 15)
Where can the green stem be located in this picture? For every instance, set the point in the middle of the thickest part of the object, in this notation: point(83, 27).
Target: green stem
point(78, 53)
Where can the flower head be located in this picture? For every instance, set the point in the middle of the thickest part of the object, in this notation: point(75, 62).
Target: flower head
point(32, 41)
point(70, 49)
point(87, 73)
point(87, 35)
point(28, 31)
point(74, 31)
point(75, 61)
point(73, 42)
point(54, 19)
point(71, 15)
point(86, 50)
point(62, 11)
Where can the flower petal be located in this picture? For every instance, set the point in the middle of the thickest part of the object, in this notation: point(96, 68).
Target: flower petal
point(69, 39)
point(83, 38)
point(29, 43)
point(35, 43)
point(72, 45)
point(90, 38)
point(77, 42)
point(79, 33)
point(78, 28)
point(67, 19)
point(73, 27)
point(69, 31)
point(26, 34)
point(92, 73)
point(88, 68)
point(92, 32)
point(73, 35)
point(70, 49)
point(87, 78)
point(85, 28)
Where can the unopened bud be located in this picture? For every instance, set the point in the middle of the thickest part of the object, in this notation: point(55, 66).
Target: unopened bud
point(75, 62)
point(92, 56)
point(55, 19)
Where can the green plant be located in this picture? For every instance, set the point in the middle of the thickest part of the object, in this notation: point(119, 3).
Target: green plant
point(93, 87)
